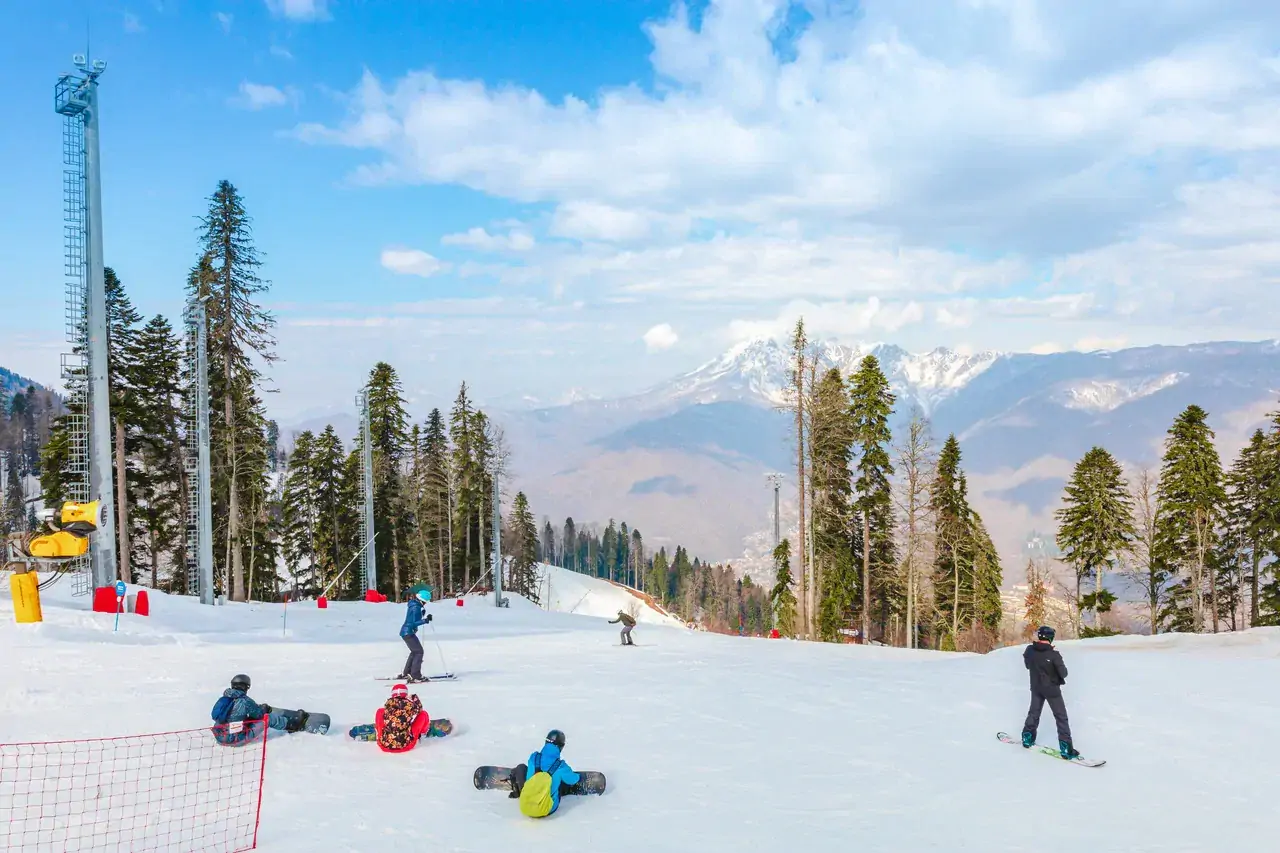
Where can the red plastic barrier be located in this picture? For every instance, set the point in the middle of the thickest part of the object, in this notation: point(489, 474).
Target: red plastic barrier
point(104, 599)
point(322, 603)
point(142, 605)
point(373, 596)
point(459, 602)
point(774, 635)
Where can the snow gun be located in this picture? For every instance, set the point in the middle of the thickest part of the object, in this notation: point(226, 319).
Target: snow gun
point(64, 538)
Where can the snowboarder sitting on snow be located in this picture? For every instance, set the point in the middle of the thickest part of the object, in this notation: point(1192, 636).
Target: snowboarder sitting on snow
point(401, 721)
point(239, 719)
point(413, 620)
point(627, 624)
point(1048, 674)
point(540, 783)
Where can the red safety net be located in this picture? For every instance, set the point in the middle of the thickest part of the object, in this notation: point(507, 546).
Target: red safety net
point(179, 791)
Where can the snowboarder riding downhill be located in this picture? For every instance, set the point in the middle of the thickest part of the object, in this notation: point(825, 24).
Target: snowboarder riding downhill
point(401, 721)
point(413, 620)
point(1048, 674)
point(627, 624)
point(540, 783)
point(236, 715)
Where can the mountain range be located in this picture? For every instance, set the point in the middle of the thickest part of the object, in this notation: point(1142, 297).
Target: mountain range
point(685, 460)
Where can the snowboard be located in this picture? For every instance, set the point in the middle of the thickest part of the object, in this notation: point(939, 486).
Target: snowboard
point(489, 778)
point(447, 676)
point(317, 724)
point(1048, 750)
point(367, 732)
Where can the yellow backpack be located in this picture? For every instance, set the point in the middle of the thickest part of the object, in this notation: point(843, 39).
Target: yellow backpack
point(535, 796)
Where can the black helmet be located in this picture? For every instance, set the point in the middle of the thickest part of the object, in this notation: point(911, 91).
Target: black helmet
point(557, 737)
point(240, 682)
point(1045, 633)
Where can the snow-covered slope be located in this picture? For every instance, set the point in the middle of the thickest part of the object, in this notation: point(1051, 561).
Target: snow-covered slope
point(565, 591)
point(710, 743)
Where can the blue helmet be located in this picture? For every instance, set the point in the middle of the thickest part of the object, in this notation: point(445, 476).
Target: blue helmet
point(1045, 634)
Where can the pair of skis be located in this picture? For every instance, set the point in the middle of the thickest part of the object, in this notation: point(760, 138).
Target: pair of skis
point(1048, 750)
point(448, 676)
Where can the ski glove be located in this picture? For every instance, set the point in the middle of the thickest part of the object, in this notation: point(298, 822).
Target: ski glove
point(428, 619)
point(266, 709)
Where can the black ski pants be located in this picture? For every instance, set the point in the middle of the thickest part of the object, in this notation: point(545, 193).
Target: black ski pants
point(413, 666)
point(1059, 709)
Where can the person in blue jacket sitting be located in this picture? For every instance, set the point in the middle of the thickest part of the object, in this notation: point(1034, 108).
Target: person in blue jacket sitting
point(239, 719)
point(546, 760)
point(413, 620)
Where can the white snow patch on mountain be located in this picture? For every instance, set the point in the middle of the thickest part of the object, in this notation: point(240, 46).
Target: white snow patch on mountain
point(1106, 395)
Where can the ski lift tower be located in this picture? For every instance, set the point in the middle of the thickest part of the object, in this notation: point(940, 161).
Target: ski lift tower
point(84, 370)
point(368, 557)
point(776, 480)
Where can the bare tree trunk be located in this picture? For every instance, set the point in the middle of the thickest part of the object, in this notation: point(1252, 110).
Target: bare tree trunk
point(866, 576)
point(155, 562)
point(123, 548)
point(480, 514)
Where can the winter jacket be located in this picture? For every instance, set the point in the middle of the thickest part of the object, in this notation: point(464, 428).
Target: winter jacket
point(625, 619)
point(564, 773)
point(400, 723)
point(1048, 672)
point(242, 723)
point(413, 618)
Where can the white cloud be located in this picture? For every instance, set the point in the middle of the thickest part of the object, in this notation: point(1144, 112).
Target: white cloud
point(224, 19)
point(1090, 343)
point(660, 337)
point(300, 10)
point(831, 320)
point(1046, 348)
point(256, 96)
point(482, 240)
point(280, 52)
point(988, 166)
point(133, 24)
point(412, 262)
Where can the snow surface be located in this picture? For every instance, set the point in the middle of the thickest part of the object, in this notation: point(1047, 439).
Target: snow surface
point(1107, 395)
point(710, 743)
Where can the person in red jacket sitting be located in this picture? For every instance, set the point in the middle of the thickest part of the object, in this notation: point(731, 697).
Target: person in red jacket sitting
point(401, 721)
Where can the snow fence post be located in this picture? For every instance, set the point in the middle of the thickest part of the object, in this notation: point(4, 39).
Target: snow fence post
point(121, 591)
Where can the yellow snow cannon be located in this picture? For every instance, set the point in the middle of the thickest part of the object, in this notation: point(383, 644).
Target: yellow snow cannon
point(59, 545)
point(70, 538)
point(81, 519)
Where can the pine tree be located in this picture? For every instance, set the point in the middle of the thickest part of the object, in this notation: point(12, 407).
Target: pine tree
point(299, 514)
point(1095, 526)
point(872, 405)
point(523, 549)
point(950, 509)
point(781, 596)
point(833, 532)
point(1190, 500)
point(389, 434)
point(609, 549)
point(333, 501)
point(570, 539)
point(273, 446)
point(126, 394)
point(435, 508)
point(240, 338)
point(468, 479)
point(1249, 514)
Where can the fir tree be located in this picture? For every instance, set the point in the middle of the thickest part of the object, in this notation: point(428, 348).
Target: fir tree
point(570, 539)
point(240, 338)
point(1095, 526)
point(1249, 522)
point(831, 434)
point(523, 549)
point(435, 508)
point(781, 596)
point(389, 434)
point(299, 514)
point(1190, 496)
point(950, 509)
point(126, 395)
point(872, 405)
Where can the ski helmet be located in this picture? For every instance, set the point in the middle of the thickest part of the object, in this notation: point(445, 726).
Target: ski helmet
point(240, 682)
point(1045, 634)
point(400, 690)
point(422, 592)
point(557, 737)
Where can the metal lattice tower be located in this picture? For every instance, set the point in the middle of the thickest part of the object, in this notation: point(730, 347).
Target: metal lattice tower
point(196, 459)
point(368, 559)
point(84, 369)
point(497, 540)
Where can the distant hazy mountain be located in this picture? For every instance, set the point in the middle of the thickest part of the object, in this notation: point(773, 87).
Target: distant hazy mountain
point(687, 457)
point(15, 384)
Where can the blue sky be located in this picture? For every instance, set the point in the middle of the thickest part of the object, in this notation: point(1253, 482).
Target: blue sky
point(541, 197)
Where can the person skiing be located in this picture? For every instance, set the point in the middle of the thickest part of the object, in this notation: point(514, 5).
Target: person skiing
point(1048, 674)
point(235, 715)
point(413, 620)
point(628, 622)
point(546, 777)
point(401, 721)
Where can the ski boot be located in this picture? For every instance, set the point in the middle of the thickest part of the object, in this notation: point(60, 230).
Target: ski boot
point(298, 722)
point(421, 679)
point(1066, 750)
point(1028, 740)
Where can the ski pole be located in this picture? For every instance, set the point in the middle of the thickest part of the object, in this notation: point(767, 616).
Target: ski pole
point(439, 650)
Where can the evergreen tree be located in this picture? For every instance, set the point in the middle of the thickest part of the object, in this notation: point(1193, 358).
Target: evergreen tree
point(1095, 526)
point(659, 583)
point(872, 405)
point(831, 434)
point(548, 549)
point(434, 510)
point(1190, 496)
point(334, 498)
point(781, 596)
point(637, 559)
point(389, 434)
point(950, 509)
point(273, 446)
point(523, 549)
point(570, 539)
point(609, 552)
point(468, 480)
point(240, 338)
point(299, 514)
point(1249, 521)
point(126, 394)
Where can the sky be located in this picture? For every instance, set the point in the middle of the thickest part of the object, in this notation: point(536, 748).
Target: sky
point(556, 198)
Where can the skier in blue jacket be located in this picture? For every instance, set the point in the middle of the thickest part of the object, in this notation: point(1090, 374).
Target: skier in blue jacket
point(413, 620)
point(563, 777)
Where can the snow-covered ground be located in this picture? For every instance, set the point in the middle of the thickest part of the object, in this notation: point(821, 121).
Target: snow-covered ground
point(710, 742)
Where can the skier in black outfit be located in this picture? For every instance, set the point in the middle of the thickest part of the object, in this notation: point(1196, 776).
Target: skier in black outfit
point(1048, 674)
